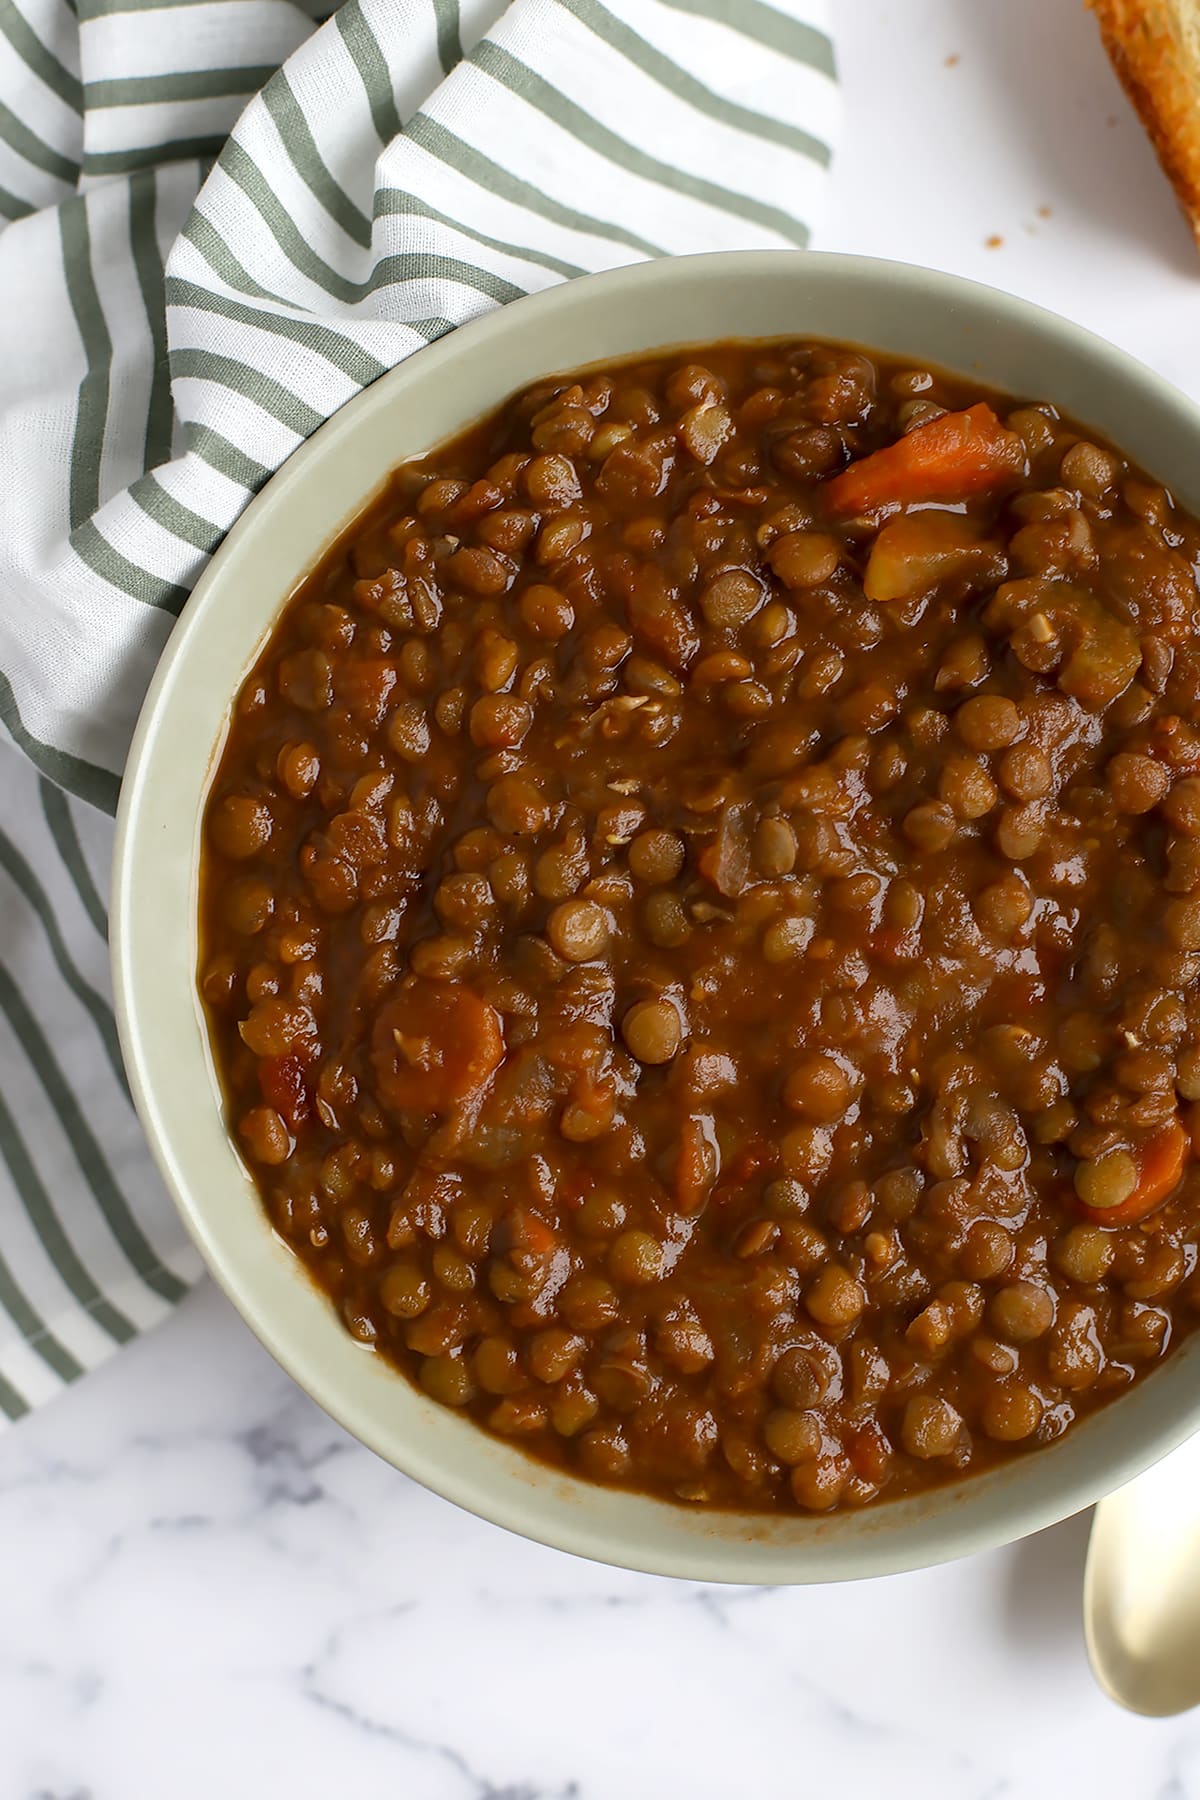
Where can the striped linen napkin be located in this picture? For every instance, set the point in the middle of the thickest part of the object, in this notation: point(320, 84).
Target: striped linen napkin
point(219, 220)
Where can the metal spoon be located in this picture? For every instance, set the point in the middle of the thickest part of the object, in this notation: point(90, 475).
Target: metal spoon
point(1141, 1589)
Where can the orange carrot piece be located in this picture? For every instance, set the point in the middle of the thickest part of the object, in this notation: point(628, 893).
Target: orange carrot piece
point(892, 946)
point(950, 458)
point(1160, 1159)
point(593, 1096)
point(524, 1233)
point(435, 1046)
point(281, 1079)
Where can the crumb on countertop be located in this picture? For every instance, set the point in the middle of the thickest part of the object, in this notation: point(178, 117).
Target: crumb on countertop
point(952, 61)
point(994, 242)
point(1044, 212)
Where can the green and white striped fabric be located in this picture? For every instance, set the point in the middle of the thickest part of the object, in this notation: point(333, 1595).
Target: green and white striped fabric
point(219, 220)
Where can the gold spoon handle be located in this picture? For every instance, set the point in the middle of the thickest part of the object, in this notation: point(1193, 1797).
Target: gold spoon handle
point(1141, 1590)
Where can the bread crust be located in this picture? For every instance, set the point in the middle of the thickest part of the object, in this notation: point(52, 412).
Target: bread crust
point(1146, 44)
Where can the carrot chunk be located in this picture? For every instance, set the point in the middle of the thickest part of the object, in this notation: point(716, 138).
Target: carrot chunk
point(950, 458)
point(1160, 1161)
point(283, 1085)
point(435, 1046)
point(917, 551)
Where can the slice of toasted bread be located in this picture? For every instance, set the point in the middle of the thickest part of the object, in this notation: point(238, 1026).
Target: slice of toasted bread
point(1154, 46)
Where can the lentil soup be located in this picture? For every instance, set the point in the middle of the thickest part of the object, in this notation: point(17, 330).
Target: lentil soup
point(701, 925)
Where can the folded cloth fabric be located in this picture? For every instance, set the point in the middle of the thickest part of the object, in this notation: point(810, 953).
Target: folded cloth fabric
point(219, 221)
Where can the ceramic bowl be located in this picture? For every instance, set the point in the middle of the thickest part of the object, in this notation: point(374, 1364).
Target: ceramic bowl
point(917, 313)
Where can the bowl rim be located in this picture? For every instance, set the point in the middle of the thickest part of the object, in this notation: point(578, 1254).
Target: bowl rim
point(713, 1553)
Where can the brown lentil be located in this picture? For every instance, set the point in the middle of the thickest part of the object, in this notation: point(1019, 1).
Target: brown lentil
point(652, 1031)
point(579, 930)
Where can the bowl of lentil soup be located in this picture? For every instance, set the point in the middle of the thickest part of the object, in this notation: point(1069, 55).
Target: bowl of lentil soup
point(654, 923)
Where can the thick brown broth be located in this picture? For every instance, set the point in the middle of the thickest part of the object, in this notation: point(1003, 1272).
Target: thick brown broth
point(701, 925)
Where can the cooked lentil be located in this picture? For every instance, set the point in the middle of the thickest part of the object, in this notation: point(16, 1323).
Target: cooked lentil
point(701, 925)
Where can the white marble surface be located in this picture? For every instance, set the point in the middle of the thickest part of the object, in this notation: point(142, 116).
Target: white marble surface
point(207, 1590)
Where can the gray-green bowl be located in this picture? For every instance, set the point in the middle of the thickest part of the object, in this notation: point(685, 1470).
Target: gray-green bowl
point(917, 313)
